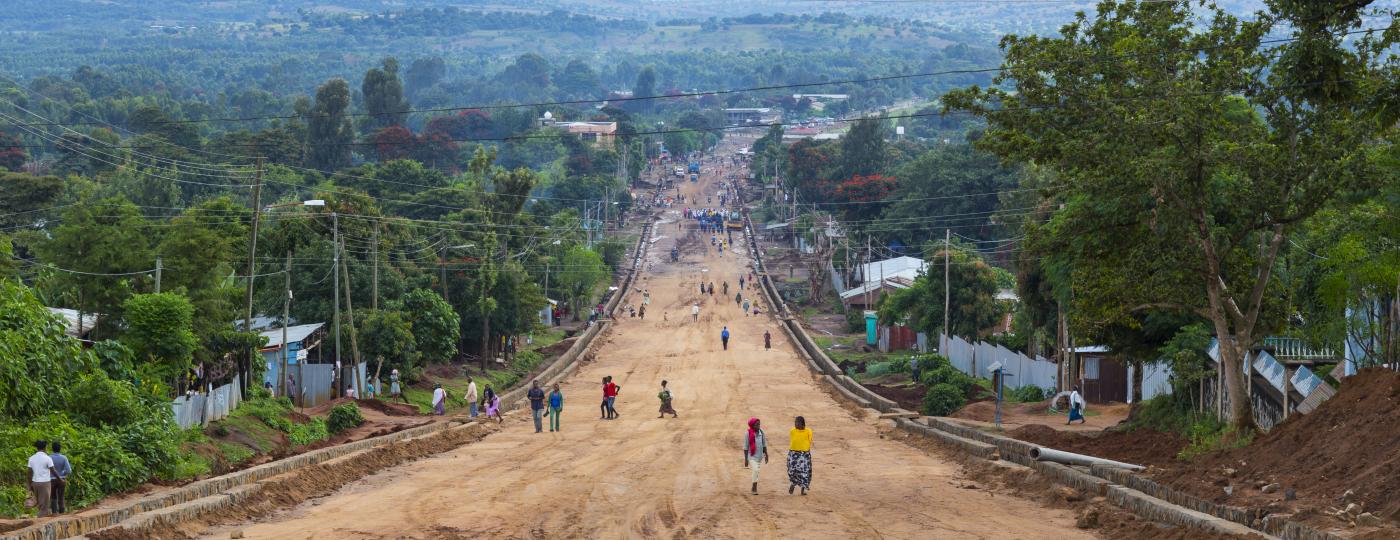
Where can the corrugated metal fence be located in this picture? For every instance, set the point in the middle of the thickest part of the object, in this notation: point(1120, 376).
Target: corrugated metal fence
point(200, 409)
point(1021, 370)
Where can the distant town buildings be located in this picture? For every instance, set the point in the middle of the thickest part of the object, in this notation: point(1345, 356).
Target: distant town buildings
point(600, 134)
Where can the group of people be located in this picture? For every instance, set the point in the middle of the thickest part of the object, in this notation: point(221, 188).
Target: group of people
point(48, 478)
point(799, 456)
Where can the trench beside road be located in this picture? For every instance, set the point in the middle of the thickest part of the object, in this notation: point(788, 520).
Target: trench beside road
point(640, 476)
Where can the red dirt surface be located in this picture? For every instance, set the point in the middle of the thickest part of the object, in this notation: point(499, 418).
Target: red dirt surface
point(388, 408)
point(909, 398)
point(1348, 443)
point(1139, 447)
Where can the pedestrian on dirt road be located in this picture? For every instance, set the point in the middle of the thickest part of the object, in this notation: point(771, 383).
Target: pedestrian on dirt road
point(394, 390)
point(767, 340)
point(702, 288)
point(536, 396)
point(665, 397)
point(799, 458)
point(471, 396)
point(556, 406)
point(41, 475)
point(695, 312)
point(493, 405)
point(738, 298)
point(741, 283)
point(755, 451)
point(725, 288)
point(712, 288)
point(439, 400)
point(1076, 407)
point(724, 337)
point(62, 468)
point(746, 308)
point(642, 312)
point(610, 390)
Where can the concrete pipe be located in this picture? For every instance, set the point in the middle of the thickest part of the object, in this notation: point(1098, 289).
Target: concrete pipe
point(1070, 458)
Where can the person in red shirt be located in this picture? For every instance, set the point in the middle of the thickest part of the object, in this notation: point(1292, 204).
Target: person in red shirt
point(610, 390)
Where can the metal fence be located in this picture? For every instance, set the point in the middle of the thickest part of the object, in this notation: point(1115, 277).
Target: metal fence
point(202, 408)
point(974, 358)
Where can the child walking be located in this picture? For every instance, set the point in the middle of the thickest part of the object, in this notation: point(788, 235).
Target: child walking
point(665, 397)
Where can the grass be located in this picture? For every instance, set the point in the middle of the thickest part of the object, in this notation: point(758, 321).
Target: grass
point(500, 380)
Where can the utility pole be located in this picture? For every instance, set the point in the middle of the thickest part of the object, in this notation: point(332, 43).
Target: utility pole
point(158, 269)
point(374, 287)
point(354, 343)
point(247, 368)
point(286, 316)
point(335, 271)
point(442, 271)
point(947, 267)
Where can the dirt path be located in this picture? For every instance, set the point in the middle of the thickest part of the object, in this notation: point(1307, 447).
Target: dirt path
point(639, 476)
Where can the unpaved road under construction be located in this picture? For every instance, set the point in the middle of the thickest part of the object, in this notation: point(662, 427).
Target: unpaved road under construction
point(644, 477)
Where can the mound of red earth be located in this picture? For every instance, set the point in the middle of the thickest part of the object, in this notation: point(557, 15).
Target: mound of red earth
point(908, 397)
point(1139, 447)
point(1350, 443)
point(389, 408)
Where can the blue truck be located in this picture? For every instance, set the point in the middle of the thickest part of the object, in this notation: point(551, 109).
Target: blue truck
point(695, 167)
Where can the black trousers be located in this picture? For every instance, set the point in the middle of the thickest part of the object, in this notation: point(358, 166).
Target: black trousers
point(56, 494)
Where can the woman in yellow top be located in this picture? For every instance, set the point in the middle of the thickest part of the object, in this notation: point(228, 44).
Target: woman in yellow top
point(799, 459)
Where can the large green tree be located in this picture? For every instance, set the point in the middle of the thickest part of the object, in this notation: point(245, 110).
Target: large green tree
point(1187, 153)
point(383, 95)
point(329, 131)
point(581, 271)
point(973, 290)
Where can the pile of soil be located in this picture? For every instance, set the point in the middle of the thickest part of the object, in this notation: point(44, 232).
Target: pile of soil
point(1348, 443)
point(1139, 447)
point(388, 408)
point(557, 348)
point(909, 397)
point(984, 409)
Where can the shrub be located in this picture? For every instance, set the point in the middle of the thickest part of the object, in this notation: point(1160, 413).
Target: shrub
point(943, 399)
point(343, 417)
point(855, 320)
point(1027, 394)
point(930, 362)
point(949, 375)
point(308, 433)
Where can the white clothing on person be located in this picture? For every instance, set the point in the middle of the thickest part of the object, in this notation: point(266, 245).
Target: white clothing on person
point(40, 465)
point(471, 392)
point(438, 395)
point(1076, 399)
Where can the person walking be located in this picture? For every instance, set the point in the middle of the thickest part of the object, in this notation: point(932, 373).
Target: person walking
point(741, 283)
point(755, 451)
point(695, 312)
point(725, 288)
point(724, 337)
point(767, 340)
point(610, 391)
point(712, 288)
point(62, 468)
point(665, 397)
point(642, 312)
point(395, 391)
point(556, 406)
point(1076, 407)
point(41, 475)
point(739, 299)
point(493, 405)
point(536, 395)
point(471, 396)
point(746, 307)
point(799, 458)
point(439, 400)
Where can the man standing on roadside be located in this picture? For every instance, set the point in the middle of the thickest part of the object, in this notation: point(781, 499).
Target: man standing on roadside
point(536, 396)
point(62, 468)
point(41, 475)
point(471, 396)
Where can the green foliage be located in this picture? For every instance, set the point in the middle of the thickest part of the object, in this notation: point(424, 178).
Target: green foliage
point(949, 375)
point(160, 331)
point(343, 417)
point(309, 432)
point(583, 271)
point(271, 411)
point(436, 327)
point(974, 304)
point(943, 399)
point(1026, 394)
point(388, 335)
point(855, 320)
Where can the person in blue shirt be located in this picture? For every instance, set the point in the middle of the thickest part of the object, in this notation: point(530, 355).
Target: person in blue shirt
point(60, 484)
point(724, 337)
point(556, 404)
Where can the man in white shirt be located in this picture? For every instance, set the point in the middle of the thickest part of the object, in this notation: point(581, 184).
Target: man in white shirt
point(695, 312)
point(41, 476)
point(471, 396)
point(439, 400)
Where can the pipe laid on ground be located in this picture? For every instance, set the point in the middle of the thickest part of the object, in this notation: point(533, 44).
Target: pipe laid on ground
point(1070, 458)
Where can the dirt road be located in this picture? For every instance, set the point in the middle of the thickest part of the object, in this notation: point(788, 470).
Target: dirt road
point(644, 477)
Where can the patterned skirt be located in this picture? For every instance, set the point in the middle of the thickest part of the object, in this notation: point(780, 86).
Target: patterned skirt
point(799, 466)
point(666, 407)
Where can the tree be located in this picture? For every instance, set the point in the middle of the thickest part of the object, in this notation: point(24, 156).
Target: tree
point(579, 81)
point(423, 73)
point(973, 303)
point(23, 197)
point(1182, 176)
point(329, 132)
point(644, 88)
point(436, 327)
point(388, 335)
point(863, 149)
point(12, 154)
point(103, 245)
point(160, 330)
point(394, 142)
point(949, 180)
point(582, 270)
point(383, 94)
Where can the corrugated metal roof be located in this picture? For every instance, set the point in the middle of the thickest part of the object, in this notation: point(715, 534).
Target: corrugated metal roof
point(294, 334)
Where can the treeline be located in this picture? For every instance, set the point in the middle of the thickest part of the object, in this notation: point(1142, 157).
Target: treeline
point(449, 21)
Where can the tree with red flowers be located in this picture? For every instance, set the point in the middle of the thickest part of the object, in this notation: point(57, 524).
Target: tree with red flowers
point(12, 155)
point(394, 142)
point(868, 192)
